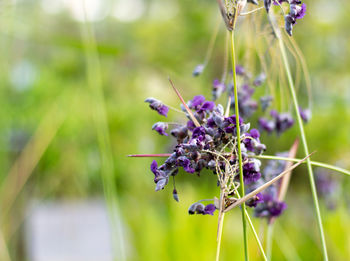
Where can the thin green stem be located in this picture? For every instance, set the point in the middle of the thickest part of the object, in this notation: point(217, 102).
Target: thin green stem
point(303, 139)
point(221, 224)
point(243, 207)
point(94, 81)
point(314, 163)
point(269, 240)
point(256, 236)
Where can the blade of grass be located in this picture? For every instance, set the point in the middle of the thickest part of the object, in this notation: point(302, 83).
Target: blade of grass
point(285, 181)
point(94, 81)
point(30, 156)
point(245, 239)
point(265, 185)
point(281, 194)
point(302, 134)
point(314, 163)
point(184, 104)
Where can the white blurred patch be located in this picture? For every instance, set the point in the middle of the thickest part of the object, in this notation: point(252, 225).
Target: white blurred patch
point(23, 75)
point(52, 6)
point(96, 10)
point(128, 10)
point(163, 9)
point(326, 12)
point(69, 231)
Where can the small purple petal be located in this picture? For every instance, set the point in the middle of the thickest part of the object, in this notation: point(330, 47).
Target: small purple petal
point(198, 70)
point(154, 167)
point(160, 127)
point(240, 70)
point(254, 133)
point(209, 209)
point(196, 101)
point(163, 110)
point(207, 106)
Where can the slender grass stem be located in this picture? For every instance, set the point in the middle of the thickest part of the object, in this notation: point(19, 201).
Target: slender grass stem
point(256, 236)
point(314, 163)
point(243, 207)
point(218, 245)
point(94, 81)
point(220, 226)
point(251, 225)
point(303, 138)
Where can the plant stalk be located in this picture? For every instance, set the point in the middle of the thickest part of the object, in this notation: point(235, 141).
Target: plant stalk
point(303, 140)
point(243, 207)
point(314, 163)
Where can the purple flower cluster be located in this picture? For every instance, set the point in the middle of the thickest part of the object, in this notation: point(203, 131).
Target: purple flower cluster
point(158, 106)
point(279, 122)
point(198, 148)
point(266, 202)
point(199, 208)
point(305, 114)
point(247, 105)
point(297, 10)
point(328, 187)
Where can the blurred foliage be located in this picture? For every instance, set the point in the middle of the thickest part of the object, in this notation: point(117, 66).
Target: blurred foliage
point(43, 65)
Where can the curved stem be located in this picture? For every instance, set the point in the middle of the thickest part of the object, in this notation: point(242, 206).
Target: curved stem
point(256, 236)
point(314, 163)
point(303, 139)
point(220, 226)
point(245, 239)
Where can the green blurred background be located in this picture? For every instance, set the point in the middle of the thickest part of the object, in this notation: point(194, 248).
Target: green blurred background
point(72, 109)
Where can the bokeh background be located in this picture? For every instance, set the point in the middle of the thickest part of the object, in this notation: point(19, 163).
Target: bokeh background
point(73, 84)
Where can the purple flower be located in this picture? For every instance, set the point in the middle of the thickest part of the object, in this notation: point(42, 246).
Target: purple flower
point(260, 79)
point(160, 177)
point(190, 125)
point(158, 106)
point(265, 102)
point(160, 127)
point(198, 131)
point(207, 106)
point(232, 120)
point(175, 195)
point(185, 163)
point(209, 209)
point(154, 168)
point(296, 12)
point(284, 122)
point(240, 70)
point(305, 114)
point(196, 101)
point(198, 70)
point(218, 89)
point(199, 208)
point(196, 208)
point(277, 208)
point(180, 133)
point(266, 125)
point(254, 133)
point(251, 172)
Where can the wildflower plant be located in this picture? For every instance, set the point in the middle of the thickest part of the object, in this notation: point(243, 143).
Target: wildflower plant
point(222, 140)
